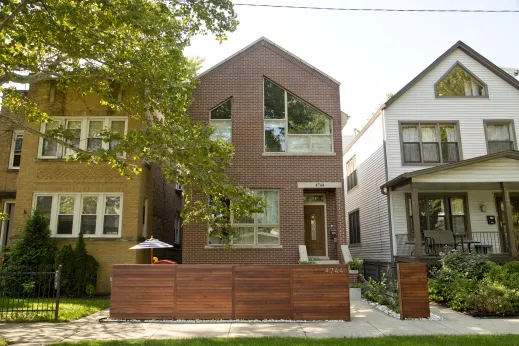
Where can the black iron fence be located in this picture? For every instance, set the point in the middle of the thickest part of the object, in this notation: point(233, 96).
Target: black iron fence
point(377, 270)
point(30, 295)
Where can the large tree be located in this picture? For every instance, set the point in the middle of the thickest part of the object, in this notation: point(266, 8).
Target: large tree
point(101, 46)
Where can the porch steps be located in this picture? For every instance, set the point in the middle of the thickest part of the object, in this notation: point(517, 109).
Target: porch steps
point(322, 260)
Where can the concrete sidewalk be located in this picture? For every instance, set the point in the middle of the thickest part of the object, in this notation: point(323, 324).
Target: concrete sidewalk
point(366, 322)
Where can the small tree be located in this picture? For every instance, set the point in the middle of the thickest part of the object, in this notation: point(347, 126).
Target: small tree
point(35, 249)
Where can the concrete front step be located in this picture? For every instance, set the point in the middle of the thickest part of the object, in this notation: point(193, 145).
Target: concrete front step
point(326, 262)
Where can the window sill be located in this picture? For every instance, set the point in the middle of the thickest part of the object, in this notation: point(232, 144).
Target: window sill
point(299, 154)
point(245, 247)
point(355, 245)
point(12, 170)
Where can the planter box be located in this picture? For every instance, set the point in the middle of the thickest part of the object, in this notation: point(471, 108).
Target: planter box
point(355, 294)
point(354, 276)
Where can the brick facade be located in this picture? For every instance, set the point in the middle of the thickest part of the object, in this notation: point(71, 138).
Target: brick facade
point(241, 78)
point(57, 175)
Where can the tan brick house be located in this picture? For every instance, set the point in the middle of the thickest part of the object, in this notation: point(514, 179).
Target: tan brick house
point(113, 213)
point(283, 117)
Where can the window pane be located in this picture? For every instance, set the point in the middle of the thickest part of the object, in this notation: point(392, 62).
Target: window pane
point(448, 133)
point(410, 133)
point(412, 152)
point(315, 198)
point(498, 132)
point(88, 224)
point(458, 225)
point(74, 128)
point(274, 101)
point(321, 144)
point(16, 160)
point(49, 147)
point(436, 214)
point(268, 235)
point(431, 152)
point(65, 223)
point(111, 224)
point(244, 235)
point(222, 130)
point(298, 144)
point(89, 205)
point(457, 207)
point(429, 133)
point(44, 205)
point(112, 205)
point(117, 126)
point(450, 152)
point(275, 136)
point(66, 204)
point(304, 119)
point(245, 219)
point(18, 144)
point(94, 135)
point(459, 82)
point(223, 111)
point(495, 147)
point(270, 216)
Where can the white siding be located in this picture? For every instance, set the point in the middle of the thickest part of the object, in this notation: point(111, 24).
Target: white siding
point(367, 197)
point(419, 103)
point(498, 170)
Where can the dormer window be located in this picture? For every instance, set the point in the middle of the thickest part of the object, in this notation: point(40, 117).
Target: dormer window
point(460, 82)
point(292, 125)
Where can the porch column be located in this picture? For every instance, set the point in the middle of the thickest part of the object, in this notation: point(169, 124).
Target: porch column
point(509, 218)
point(416, 222)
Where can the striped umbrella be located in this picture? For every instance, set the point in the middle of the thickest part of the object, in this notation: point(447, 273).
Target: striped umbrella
point(151, 244)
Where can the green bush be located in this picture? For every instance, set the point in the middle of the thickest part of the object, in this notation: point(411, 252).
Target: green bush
point(381, 292)
point(78, 269)
point(35, 249)
point(356, 264)
point(471, 283)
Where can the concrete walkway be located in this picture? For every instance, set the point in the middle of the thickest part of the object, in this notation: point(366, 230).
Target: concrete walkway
point(366, 322)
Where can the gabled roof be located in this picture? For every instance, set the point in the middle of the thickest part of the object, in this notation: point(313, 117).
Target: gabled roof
point(510, 154)
point(266, 40)
point(470, 52)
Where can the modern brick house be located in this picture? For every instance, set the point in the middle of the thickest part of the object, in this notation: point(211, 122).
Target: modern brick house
point(113, 213)
point(283, 117)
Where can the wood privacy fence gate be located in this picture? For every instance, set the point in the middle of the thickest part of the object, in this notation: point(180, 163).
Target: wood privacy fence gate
point(413, 290)
point(292, 292)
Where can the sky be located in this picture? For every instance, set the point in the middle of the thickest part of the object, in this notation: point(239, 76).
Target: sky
point(370, 53)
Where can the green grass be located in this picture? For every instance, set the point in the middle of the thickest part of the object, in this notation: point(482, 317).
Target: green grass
point(69, 309)
point(465, 340)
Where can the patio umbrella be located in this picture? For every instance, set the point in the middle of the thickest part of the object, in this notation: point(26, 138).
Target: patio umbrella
point(151, 244)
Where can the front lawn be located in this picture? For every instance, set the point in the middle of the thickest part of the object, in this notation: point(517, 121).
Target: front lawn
point(466, 340)
point(69, 309)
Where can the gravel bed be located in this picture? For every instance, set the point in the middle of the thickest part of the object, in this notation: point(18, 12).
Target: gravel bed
point(391, 313)
point(108, 320)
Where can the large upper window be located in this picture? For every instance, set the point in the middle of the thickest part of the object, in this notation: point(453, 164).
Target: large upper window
point(354, 227)
point(439, 212)
point(16, 150)
point(292, 125)
point(86, 134)
point(500, 136)
point(258, 229)
point(430, 143)
point(95, 215)
point(459, 82)
point(221, 121)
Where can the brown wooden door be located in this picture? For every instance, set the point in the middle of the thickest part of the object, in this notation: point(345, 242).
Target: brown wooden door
point(315, 236)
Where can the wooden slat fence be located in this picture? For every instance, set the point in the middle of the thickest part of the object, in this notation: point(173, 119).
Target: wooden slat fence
point(413, 290)
point(292, 292)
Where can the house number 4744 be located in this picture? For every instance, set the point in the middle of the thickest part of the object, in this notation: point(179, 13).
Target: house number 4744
point(333, 271)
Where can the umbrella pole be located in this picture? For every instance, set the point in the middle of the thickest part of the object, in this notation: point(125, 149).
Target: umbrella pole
point(151, 257)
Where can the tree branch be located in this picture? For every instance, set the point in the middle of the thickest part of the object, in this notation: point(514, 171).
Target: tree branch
point(24, 79)
point(15, 12)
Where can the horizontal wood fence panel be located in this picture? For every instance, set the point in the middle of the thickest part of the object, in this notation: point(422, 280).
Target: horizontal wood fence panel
point(306, 292)
point(413, 290)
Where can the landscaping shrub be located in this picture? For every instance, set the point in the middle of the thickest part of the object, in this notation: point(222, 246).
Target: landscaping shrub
point(471, 283)
point(355, 264)
point(381, 292)
point(79, 269)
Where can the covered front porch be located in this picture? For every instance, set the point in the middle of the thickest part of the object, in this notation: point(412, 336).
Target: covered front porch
point(466, 205)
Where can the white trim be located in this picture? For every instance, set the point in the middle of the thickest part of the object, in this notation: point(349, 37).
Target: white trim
point(83, 141)
point(263, 38)
point(78, 203)
point(16, 134)
point(297, 154)
point(4, 225)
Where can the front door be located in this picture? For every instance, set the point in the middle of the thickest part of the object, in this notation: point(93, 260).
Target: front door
point(503, 228)
point(315, 236)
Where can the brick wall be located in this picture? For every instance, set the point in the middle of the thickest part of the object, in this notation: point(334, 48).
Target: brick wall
point(242, 79)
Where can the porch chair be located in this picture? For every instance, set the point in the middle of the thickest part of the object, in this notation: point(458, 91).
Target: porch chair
point(435, 240)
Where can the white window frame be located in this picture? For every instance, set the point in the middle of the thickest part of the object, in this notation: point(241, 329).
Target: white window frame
point(16, 134)
point(255, 226)
point(287, 134)
point(61, 150)
point(223, 121)
point(78, 204)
